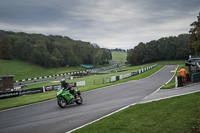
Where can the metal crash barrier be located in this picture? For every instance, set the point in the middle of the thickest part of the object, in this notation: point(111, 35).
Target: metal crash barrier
point(196, 77)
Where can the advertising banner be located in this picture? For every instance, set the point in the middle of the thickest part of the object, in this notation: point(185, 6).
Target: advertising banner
point(80, 83)
point(113, 79)
point(31, 91)
point(9, 94)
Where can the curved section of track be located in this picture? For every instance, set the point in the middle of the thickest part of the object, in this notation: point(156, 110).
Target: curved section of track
point(48, 117)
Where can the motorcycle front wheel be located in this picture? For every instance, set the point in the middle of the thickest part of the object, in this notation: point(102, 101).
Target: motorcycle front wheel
point(79, 100)
point(62, 102)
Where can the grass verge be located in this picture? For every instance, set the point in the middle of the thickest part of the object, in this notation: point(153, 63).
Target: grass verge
point(179, 114)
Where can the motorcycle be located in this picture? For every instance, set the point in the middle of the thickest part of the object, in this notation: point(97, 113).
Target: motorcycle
point(64, 97)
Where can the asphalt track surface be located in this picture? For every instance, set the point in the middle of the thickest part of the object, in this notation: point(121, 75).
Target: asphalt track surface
point(48, 117)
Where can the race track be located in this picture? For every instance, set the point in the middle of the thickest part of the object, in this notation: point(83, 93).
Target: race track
point(48, 117)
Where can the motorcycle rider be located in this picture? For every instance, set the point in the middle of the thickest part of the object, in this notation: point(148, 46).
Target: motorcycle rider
point(66, 87)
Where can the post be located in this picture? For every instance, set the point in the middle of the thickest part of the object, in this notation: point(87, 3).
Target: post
point(176, 82)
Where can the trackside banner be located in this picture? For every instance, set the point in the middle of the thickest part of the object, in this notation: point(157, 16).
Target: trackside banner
point(31, 91)
point(20, 93)
point(55, 87)
point(9, 94)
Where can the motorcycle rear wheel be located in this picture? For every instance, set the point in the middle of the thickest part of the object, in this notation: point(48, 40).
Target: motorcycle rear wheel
point(79, 101)
point(62, 102)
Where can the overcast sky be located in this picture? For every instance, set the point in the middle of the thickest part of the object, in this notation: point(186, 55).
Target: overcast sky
point(109, 23)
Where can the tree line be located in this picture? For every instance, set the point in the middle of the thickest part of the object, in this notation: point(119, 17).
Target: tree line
point(118, 50)
point(50, 51)
point(168, 48)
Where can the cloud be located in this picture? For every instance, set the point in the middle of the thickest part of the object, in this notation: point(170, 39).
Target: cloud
point(109, 23)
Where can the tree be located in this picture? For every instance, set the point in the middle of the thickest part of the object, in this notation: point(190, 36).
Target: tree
point(56, 58)
point(195, 36)
point(136, 56)
point(106, 56)
point(5, 47)
point(183, 51)
point(40, 55)
point(151, 51)
point(22, 48)
point(170, 48)
point(98, 58)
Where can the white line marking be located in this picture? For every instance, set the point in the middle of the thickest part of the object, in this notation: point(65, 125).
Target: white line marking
point(100, 118)
point(169, 97)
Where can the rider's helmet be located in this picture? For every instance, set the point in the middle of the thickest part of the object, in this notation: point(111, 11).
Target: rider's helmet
point(62, 81)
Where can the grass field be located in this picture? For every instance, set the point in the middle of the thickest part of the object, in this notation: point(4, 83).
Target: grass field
point(119, 56)
point(174, 115)
point(24, 70)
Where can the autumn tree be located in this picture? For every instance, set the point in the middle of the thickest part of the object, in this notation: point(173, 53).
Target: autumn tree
point(195, 36)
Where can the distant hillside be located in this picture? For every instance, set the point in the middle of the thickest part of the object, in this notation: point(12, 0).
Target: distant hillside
point(50, 51)
point(23, 70)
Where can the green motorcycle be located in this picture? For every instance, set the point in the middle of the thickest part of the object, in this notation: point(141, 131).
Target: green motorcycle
point(64, 97)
